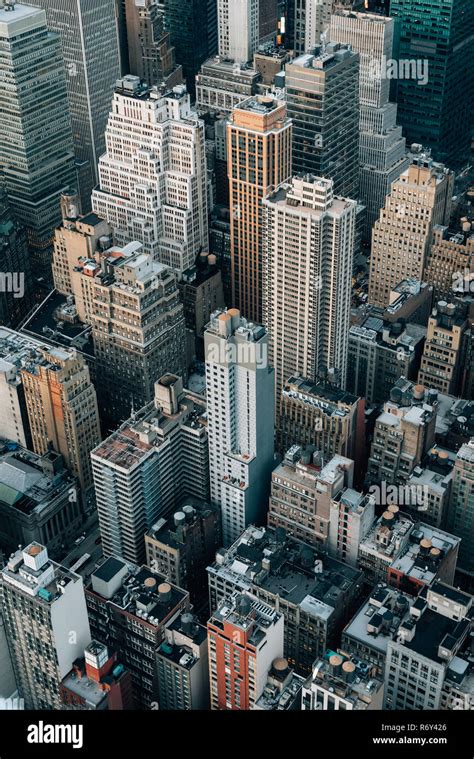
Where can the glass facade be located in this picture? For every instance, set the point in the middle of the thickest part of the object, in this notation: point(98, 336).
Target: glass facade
point(435, 46)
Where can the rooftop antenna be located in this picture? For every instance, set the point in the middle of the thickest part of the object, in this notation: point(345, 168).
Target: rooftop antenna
point(132, 412)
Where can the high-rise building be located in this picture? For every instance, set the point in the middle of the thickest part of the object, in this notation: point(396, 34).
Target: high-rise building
point(302, 490)
point(445, 349)
point(128, 609)
point(322, 95)
point(36, 153)
point(39, 502)
point(311, 19)
point(14, 348)
point(148, 466)
point(323, 415)
point(77, 238)
point(379, 352)
point(268, 18)
point(180, 548)
point(245, 636)
point(434, 48)
point(432, 646)
point(238, 27)
point(404, 432)
point(62, 408)
point(183, 666)
point(193, 30)
point(269, 61)
point(259, 160)
point(295, 578)
point(240, 418)
point(89, 41)
point(339, 683)
point(150, 53)
point(461, 506)
point(407, 554)
point(153, 174)
point(382, 154)
point(138, 327)
point(16, 283)
point(351, 517)
point(202, 293)
point(401, 236)
point(46, 624)
point(450, 260)
point(372, 627)
point(98, 681)
point(308, 242)
point(222, 84)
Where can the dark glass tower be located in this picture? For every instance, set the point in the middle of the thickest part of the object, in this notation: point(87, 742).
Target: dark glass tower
point(437, 114)
point(322, 95)
point(36, 148)
point(15, 270)
point(192, 25)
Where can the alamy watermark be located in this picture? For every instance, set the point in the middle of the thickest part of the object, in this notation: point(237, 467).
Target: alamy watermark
point(239, 352)
point(12, 282)
point(463, 281)
point(414, 496)
point(415, 69)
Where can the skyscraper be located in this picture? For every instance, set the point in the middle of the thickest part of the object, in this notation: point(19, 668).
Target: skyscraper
point(461, 507)
point(449, 264)
point(320, 415)
point(16, 287)
point(382, 156)
point(444, 355)
point(44, 608)
point(308, 242)
point(36, 152)
point(128, 608)
point(322, 95)
point(432, 647)
point(153, 174)
point(192, 25)
point(89, 40)
point(258, 160)
point(62, 408)
point(144, 470)
point(303, 486)
point(183, 666)
point(240, 411)
point(245, 637)
point(309, 20)
point(238, 27)
point(401, 237)
point(434, 106)
point(150, 53)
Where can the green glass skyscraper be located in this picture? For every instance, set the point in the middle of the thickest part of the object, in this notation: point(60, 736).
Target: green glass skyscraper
point(435, 96)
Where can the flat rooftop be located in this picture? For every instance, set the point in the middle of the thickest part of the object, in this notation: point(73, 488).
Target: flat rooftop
point(137, 438)
point(280, 198)
point(286, 568)
point(46, 323)
point(138, 593)
point(19, 19)
point(379, 602)
point(23, 484)
point(327, 396)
